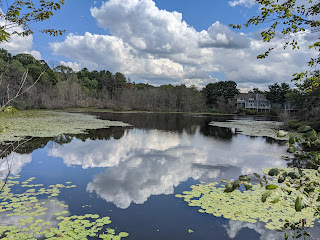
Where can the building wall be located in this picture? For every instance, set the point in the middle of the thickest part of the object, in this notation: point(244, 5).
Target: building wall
point(253, 101)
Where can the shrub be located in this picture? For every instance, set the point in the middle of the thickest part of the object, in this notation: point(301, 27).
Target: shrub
point(213, 110)
point(20, 105)
point(117, 108)
point(294, 124)
point(274, 111)
point(250, 112)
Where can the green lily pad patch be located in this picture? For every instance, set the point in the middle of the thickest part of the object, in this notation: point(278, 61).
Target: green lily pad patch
point(247, 205)
point(32, 214)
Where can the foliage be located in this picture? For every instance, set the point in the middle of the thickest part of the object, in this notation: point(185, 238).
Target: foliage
point(23, 13)
point(213, 91)
point(61, 87)
point(213, 110)
point(10, 109)
point(291, 19)
point(241, 110)
point(238, 204)
point(256, 90)
point(284, 198)
point(277, 93)
point(302, 184)
point(307, 102)
point(294, 124)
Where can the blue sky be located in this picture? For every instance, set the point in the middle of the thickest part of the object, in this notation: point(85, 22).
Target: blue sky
point(163, 41)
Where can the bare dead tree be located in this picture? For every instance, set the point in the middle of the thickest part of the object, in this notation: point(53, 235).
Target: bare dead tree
point(20, 90)
point(13, 146)
point(8, 160)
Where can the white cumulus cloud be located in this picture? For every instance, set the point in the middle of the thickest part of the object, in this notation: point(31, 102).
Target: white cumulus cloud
point(18, 44)
point(246, 3)
point(74, 65)
point(157, 46)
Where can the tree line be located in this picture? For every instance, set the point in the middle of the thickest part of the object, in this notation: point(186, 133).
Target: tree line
point(61, 87)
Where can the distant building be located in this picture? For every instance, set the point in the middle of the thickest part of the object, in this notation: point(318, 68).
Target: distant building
point(253, 101)
point(287, 108)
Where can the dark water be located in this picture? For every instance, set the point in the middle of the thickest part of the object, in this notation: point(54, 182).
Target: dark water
point(132, 174)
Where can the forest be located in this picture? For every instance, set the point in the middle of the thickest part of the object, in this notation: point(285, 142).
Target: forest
point(60, 87)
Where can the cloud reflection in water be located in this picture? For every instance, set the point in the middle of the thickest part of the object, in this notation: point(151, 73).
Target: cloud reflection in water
point(14, 162)
point(234, 227)
point(144, 163)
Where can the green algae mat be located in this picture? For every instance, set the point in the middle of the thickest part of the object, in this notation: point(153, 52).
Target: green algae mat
point(17, 126)
point(29, 211)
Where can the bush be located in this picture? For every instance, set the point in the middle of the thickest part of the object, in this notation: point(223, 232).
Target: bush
point(250, 112)
point(213, 110)
point(20, 105)
point(117, 108)
point(245, 111)
point(274, 111)
point(294, 124)
point(10, 109)
point(240, 110)
point(315, 125)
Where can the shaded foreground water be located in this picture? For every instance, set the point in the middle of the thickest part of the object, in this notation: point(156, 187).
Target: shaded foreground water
point(132, 174)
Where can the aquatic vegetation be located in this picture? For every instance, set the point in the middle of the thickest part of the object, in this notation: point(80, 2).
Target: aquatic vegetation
point(49, 124)
point(31, 207)
point(247, 205)
point(254, 128)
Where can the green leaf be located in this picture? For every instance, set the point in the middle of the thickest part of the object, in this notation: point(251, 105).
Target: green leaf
point(272, 187)
point(247, 185)
point(298, 204)
point(257, 175)
point(292, 139)
point(265, 195)
point(309, 189)
point(274, 172)
point(304, 128)
point(236, 184)
point(244, 178)
point(229, 187)
point(281, 133)
point(291, 150)
point(286, 236)
point(311, 134)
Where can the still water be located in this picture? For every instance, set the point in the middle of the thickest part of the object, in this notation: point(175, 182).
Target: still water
point(132, 174)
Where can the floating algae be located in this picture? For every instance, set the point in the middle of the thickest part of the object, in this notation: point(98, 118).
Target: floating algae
point(247, 206)
point(49, 124)
point(253, 128)
point(30, 216)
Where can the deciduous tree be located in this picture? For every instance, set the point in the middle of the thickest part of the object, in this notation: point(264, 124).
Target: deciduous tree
point(290, 18)
point(19, 17)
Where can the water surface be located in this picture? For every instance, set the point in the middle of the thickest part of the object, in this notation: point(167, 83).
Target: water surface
point(132, 174)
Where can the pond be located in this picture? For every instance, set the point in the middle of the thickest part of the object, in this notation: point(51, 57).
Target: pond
point(131, 174)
